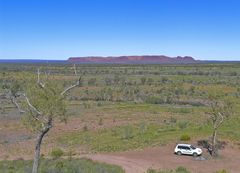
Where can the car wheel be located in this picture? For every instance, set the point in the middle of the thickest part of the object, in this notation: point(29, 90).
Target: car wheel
point(179, 153)
point(195, 155)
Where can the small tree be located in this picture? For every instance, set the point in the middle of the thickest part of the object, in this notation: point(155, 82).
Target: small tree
point(219, 112)
point(44, 103)
point(143, 80)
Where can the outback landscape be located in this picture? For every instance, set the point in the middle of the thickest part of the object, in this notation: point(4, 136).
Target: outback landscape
point(119, 86)
point(120, 117)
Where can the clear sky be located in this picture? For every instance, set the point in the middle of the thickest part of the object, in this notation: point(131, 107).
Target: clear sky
point(58, 29)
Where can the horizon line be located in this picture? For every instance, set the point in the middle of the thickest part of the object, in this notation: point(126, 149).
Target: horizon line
point(50, 59)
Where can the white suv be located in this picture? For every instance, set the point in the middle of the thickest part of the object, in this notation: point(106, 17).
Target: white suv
point(188, 150)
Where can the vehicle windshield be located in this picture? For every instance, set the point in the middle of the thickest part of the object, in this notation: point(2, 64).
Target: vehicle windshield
point(192, 147)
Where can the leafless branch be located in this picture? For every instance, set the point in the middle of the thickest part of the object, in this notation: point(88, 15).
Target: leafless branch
point(31, 106)
point(47, 73)
point(72, 86)
point(75, 70)
point(217, 124)
point(42, 85)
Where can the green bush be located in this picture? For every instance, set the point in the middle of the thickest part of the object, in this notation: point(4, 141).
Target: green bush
point(154, 100)
point(182, 124)
point(127, 133)
point(158, 171)
point(185, 137)
point(59, 166)
point(150, 170)
point(56, 153)
point(221, 171)
point(181, 169)
point(142, 128)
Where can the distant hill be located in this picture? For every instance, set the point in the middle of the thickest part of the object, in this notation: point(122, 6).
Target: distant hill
point(146, 59)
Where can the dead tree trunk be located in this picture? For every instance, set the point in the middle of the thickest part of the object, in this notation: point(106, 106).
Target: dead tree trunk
point(219, 112)
point(41, 134)
point(214, 143)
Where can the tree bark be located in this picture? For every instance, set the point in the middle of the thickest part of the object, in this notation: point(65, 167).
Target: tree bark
point(42, 133)
point(214, 143)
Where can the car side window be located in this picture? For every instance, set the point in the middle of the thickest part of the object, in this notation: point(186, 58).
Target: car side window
point(183, 148)
point(180, 147)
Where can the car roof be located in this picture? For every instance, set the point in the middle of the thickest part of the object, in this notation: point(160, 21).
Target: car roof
point(184, 145)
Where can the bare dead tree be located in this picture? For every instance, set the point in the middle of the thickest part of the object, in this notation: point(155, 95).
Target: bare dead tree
point(75, 70)
point(219, 112)
point(42, 85)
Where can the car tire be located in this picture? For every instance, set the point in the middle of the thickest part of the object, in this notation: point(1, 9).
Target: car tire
point(195, 154)
point(179, 153)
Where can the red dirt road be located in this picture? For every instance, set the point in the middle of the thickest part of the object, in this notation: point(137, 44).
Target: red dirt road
point(163, 158)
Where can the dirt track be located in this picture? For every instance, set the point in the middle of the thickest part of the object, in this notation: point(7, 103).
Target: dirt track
point(163, 158)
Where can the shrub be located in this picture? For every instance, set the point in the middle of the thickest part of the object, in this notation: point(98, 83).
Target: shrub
point(92, 81)
point(143, 80)
point(85, 128)
point(154, 100)
point(57, 153)
point(164, 79)
point(70, 153)
point(142, 128)
point(185, 137)
point(87, 138)
point(150, 81)
point(181, 169)
point(128, 133)
point(233, 73)
point(59, 166)
point(151, 171)
point(221, 144)
point(221, 171)
point(87, 105)
point(100, 122)
point(172, 120)
point(204, 143)
point(99, 104)
point(182, 124)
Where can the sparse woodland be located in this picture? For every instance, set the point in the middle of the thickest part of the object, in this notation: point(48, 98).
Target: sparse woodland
point(119, 107)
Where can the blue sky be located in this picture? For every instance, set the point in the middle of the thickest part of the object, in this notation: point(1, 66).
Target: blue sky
point(58, 29)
